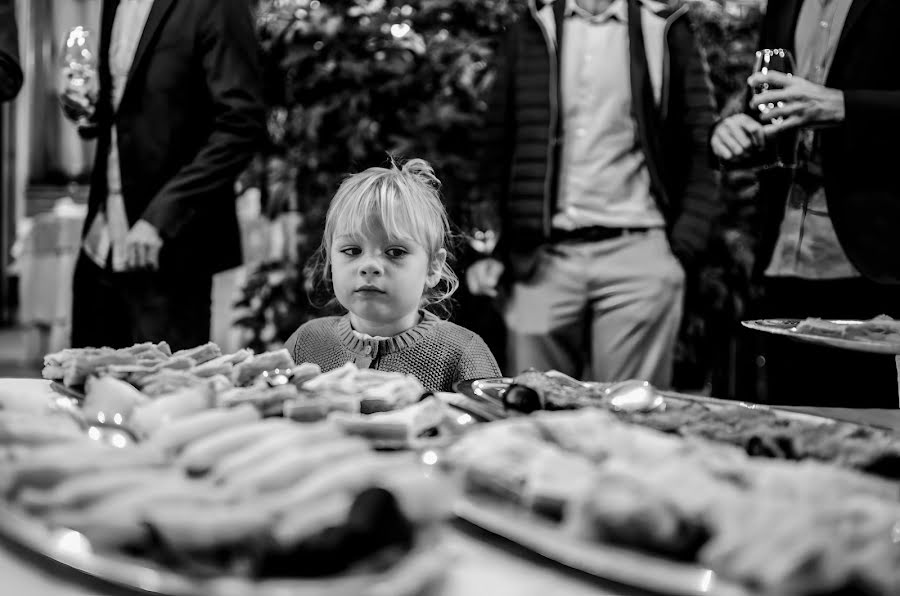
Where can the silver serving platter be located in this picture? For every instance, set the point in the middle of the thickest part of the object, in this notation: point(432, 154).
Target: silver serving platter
point(621, 565)
point(628, 567)
point(488, 393)
point(788, 328)
point(411, 576)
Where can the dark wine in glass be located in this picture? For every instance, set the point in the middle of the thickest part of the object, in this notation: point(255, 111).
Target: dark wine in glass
point(780, 151)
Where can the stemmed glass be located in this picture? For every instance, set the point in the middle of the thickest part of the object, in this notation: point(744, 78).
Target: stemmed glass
point(780, 152)
point(481, 227)
point(78, 76)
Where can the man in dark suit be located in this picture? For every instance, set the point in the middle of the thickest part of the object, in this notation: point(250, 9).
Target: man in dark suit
point(828, 229)
point(10, 70)
point(179, 115)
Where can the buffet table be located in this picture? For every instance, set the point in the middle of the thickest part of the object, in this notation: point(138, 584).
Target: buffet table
point(480, 563)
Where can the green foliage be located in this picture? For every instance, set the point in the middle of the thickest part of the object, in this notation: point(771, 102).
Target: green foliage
point(354, 80)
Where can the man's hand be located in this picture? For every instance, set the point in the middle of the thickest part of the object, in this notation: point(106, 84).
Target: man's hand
point(483, 276)
point(142, 246)
point(80, 108)
point(736, 137)
point(795, 102)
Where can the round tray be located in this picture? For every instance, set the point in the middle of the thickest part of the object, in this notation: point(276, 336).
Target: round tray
point(788, 328)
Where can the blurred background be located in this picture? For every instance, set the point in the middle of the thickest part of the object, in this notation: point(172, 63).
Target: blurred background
point(347, 81)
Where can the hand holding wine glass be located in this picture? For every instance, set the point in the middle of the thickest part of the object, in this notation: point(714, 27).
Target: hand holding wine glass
point(793, 102)
point(741, 139)
point(481, 230)
point(769, 61)
point(78, 78)
point(773, 68)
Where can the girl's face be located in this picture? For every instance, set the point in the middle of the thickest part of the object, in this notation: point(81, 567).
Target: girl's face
point(380, 280)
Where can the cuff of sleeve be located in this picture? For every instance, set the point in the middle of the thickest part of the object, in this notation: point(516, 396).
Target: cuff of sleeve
point(168, 221)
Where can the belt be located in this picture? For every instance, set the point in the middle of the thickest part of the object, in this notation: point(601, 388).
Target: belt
point(592, 234)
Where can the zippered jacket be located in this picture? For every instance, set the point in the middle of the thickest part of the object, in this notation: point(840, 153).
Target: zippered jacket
point(674, 110)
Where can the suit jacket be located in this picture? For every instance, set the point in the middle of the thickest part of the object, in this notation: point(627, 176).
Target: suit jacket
point(190, 119)
point(10, 69)
point(860, 158)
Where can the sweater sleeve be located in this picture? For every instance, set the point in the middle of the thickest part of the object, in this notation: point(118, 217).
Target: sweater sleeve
point(477, 361)
point(292, 342)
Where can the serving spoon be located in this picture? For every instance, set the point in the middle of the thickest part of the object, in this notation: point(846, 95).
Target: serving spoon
point(632, 395)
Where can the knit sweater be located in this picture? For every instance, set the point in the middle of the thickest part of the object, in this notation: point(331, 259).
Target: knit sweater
point(436, 352)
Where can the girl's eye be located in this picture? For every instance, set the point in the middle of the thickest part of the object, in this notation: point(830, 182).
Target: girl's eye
point(395, 253)
point(351, 251)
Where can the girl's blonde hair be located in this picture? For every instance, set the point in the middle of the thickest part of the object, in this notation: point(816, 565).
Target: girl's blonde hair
point(405, 200)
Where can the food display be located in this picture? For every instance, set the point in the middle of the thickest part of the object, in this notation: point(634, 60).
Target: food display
point(226, 491)
point(760, 431)
point(771, 525)
point(881, 328)
point(879, 335)
point(228, 474)
point(147, 385)
point(253, 468)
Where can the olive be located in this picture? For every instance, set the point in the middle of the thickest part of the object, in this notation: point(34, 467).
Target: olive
point(522, 398)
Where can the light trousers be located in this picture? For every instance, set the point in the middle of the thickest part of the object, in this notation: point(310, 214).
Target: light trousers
point(605, 311)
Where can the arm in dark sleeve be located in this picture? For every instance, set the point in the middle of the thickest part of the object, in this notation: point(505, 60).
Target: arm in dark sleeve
point(11, 77)
point(871, 114)
point(700, 203)
point(495, 140)
point(230, 56)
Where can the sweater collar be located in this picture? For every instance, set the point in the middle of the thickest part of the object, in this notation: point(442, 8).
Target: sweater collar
point(371, 347)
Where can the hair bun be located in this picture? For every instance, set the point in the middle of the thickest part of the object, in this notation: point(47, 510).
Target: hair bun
point(420, 169)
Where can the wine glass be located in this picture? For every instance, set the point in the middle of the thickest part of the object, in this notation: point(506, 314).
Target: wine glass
point(780, 152)
point(779, 60)
point(482, 227)
point(78, 77)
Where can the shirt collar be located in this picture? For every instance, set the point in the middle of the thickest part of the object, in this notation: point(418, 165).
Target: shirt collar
point(618, 10)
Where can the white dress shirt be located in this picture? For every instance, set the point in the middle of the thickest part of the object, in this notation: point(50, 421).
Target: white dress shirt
point(110, 226)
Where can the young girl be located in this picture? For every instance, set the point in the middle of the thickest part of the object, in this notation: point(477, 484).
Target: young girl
point(383, 257)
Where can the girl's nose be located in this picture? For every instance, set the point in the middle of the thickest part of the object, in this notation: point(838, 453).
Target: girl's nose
point(370, 266)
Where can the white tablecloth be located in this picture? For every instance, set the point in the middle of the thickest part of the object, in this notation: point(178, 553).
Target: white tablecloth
point(483, 564)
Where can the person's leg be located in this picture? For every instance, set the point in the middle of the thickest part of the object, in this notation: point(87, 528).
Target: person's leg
point(100, 317)
point(636, 302)
point(172, 309)
point(545, 315)
point(798, 373)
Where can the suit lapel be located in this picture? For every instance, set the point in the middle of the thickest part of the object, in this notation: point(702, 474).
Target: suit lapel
point(157, 16)
point(787, 25)
point(106, 23)
point(107, 17)
point(856, 11)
